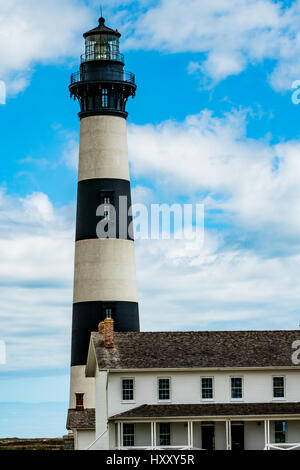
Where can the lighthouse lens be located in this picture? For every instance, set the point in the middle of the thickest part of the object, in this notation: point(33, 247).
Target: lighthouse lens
point(102, 47)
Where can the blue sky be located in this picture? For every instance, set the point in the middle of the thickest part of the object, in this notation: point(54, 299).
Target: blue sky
point(213, 122)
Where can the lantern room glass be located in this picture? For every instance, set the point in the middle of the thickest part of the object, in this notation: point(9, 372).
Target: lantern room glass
point(102, 47)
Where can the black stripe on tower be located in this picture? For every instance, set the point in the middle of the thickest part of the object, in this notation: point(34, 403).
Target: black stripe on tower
point(91, 194)
point(87, 316)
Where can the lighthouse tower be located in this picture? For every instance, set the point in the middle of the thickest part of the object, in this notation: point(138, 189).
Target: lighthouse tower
point(105, 278)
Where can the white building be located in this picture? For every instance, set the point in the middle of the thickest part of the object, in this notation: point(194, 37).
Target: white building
point(190, 390)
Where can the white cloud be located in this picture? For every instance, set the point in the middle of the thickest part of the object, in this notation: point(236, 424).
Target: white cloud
point(70, 151)
point(32, 31)
point(227, 35)
point(143, 195)
point(182, 286)
point(254, 182)
point(36, 253)
point(246, 275)
point(230, 34)
point(17, 83)
point(220, 64)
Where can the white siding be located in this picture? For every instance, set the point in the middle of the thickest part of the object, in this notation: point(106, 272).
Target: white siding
point(185, 387)
point(142, 434)
point(197, 435)
point(220, 433)
point(102, 430)
point(293, 431)
point(179, 434)
point(254, 435)
point(83, 439)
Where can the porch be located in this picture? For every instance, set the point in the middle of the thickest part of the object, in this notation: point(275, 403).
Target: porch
point(267, 434)
point(163, 427)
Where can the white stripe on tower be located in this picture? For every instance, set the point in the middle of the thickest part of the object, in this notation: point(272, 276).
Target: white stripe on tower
point(105, 271)
point(103, 148)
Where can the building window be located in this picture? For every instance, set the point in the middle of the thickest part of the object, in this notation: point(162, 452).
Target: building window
point(164, 434)
point(164, 389)
point(207, 392)
point(128, 435)
point(104, 98)
point(280, 432)
point(236, 388)
point(127, 389)
point(278, 387)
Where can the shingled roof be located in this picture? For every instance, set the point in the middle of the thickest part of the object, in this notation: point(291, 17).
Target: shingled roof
point(81, 419)
point(200, 349)
point(210, 410)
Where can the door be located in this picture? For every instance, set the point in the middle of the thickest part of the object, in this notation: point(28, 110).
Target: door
point(237, 436)
point(208, 436)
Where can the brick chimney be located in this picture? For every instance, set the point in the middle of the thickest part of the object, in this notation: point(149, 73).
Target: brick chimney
point(108, 330)
point(79, 401)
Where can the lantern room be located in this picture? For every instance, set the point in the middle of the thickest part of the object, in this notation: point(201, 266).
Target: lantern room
point(102, 43)
point(101, 85)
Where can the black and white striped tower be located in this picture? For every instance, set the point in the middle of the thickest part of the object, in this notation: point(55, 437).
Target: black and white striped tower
point(105, 278)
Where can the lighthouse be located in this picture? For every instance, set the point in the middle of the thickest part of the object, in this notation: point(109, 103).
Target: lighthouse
point(104, 274)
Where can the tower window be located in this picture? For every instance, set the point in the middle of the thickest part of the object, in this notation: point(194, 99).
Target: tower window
point(108, 313)
point(128, 435)
point(104, 98)
point(107, 200)
point(107, 203)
